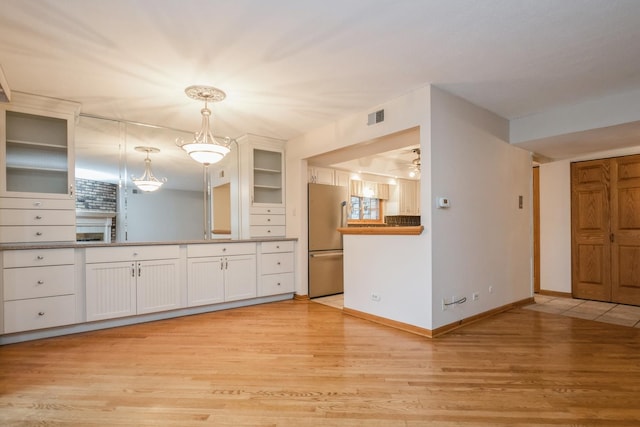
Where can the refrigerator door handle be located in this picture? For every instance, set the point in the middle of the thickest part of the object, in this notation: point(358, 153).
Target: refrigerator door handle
point(343, 208)
point(323, 255)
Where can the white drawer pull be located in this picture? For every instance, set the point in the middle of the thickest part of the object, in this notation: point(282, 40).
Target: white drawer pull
point(41, 313)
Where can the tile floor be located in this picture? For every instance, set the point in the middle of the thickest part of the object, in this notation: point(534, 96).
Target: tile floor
point(619, 314)
point(625, 315)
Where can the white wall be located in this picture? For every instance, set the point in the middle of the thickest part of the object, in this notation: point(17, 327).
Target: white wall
point(483, 240)
point(555, 219)
point(165, 215)
point(401, 113)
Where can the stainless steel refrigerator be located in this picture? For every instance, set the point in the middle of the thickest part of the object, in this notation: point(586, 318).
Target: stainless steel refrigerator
point(327, 212)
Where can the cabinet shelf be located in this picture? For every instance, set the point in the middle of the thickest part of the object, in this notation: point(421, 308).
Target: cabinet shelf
point(268, 187)
point(274, 171)
point(37, 144)
point(35, 168)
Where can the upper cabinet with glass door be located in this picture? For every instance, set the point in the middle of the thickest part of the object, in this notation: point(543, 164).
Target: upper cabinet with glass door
point(36, 150)
point(262, 190)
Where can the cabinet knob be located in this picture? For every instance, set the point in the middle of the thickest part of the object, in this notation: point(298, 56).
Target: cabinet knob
point(135, 254)
point(37, 203)
point(278, 283)
point(224, 249)
point(278, 263)
point(38, 233)
point(40, 282)
point(268, 219)
point(269, 210)
point(277, 246)
point(41, 313)
point(38, 217)
point(268, 231)
point(40, 257)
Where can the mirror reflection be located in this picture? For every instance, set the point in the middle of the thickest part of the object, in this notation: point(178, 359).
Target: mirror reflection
point(110, 207)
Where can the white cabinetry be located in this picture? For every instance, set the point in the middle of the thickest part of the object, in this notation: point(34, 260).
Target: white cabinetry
point(124, 281)
point(37, 167)
point(262, 190)
point(276, 268)
point(220, 272)
point(38, 289)
point(327, 176)
point(409, 197)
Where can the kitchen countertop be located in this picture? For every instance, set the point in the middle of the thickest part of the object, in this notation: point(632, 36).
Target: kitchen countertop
point(394, 230)
point(61, 245)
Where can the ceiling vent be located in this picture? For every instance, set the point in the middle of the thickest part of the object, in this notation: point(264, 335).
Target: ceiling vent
point(376, 117)
point(5, 92)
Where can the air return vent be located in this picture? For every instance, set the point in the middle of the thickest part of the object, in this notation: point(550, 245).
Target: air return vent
point(376, 117)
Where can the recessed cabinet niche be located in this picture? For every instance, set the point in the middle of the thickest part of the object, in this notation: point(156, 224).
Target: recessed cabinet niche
point(37, 167)
point(262, 190)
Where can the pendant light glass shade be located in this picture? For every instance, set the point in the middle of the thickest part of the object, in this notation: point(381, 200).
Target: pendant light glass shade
point(147, 182)
point(205, 147)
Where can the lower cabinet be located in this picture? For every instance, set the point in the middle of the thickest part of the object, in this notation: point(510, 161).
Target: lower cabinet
point(126, 288)
point(219, 273)
point(276, 268)
point(38, 289)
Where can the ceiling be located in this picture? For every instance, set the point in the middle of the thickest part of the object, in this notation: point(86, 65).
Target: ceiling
point(289, 66)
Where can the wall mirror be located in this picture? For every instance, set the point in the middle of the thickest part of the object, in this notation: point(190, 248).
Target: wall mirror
point(106, 197)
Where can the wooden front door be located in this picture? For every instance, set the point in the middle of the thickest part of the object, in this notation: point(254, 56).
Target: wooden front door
point(605, 222)
point(625, 230)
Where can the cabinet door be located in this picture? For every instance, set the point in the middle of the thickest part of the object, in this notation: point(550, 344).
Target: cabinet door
point(158, 285)
point(321, 176)
point(205, 281)
point(36, 153)
point(111, 290)
point(268, 177)
point(408, 200)
point(240, 277)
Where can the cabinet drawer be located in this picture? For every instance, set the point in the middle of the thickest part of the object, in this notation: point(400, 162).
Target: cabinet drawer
point(255, 210)
point(220, 249)
point(274, 247)
point(35, 282)
point(20, 203)
point(275, 284)
point(34, 233)
point(267, 230)
point(38, 313)
point(131, 253)
point(37, 217)
point(267, 219)
point(38, 257)
point(276, 263)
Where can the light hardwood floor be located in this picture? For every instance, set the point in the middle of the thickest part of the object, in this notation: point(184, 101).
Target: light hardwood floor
point(298, 363)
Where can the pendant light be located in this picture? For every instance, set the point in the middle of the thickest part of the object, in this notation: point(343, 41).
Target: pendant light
point(148, 182)
point(206, 148)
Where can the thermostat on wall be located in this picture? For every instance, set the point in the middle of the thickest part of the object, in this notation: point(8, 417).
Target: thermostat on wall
point(443, 202)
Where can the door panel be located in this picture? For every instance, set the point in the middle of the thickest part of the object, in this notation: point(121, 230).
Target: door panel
point(625, 229)
point(591, 246)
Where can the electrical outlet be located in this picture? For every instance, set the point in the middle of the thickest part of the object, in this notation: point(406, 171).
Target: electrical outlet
point(444, 304)
point(375, 297)
point(490, 289)
point(475, 296)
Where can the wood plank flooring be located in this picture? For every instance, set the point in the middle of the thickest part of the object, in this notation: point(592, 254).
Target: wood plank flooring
point(299, 363)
